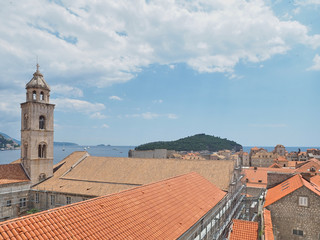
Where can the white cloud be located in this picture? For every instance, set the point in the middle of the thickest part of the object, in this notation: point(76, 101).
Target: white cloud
point(98, 115)
point(75, 105)
point(115, 98)
point(102, 42)
point(150, 115)
point(66, 90)
point(158, 101)
point(105, 125)
point(316, 63)
point(307, 2)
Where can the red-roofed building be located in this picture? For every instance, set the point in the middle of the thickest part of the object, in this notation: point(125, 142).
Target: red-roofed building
point(243, 230)
point(183, 207)
point(14, 190)
point(295, 209)
point(267, 225)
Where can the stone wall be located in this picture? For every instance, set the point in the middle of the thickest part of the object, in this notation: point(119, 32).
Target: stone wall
point(287, 215)
point(10, 204)
point(274, 178)
point(157, 153)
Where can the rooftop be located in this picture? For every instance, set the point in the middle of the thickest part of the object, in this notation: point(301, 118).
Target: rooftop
point(244, 230)
point(80, 173)
point(12, 173)
point(161, 210)
point(268, 229)
point(290, 185)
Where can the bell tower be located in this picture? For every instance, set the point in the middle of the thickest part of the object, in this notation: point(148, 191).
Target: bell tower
point(37, 130)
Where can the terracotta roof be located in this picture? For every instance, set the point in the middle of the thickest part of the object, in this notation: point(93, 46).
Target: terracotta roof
point(244, 230)
point(268, 229)
point(12, 173)
point(259, 177)
point(315, 163)
point(281, 159)
point(290, 185)
point(315, 180)
point(162, 210)
point(98, 176)
point(275, 165)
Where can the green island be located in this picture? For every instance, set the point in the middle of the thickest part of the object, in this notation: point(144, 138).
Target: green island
point(198, 142)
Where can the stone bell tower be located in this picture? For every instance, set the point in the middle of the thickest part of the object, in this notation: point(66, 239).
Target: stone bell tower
point(37, 130)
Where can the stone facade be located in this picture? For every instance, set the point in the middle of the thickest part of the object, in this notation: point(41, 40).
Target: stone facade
point(288, 216)
point(263, 158)
point(37, 130)
point(157, 153)
point(14, 200)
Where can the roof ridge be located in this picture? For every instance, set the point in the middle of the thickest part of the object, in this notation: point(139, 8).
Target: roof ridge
point(101, 197)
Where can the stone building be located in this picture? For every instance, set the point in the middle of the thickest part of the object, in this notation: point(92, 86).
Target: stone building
point(280, 150)
point(37, 130)
point(263, 158)
point(295, 209)
point(156, 153)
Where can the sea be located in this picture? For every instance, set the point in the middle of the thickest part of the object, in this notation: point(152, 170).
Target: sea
point(61, 152)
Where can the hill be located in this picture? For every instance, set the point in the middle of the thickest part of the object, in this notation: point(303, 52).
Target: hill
point(197, 142)
point(7, 143)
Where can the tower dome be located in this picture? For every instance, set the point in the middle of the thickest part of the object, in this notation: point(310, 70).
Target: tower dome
point(38, 81)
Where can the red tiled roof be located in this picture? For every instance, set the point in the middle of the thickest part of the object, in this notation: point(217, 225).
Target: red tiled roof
point(290, 185)
point(244, 230)
point(315, 180)
point(259, 177)
point(315, 163)
point(12, 173)
point(161, 210)
point(275, 165)
point(268, 229)
point(281, 159)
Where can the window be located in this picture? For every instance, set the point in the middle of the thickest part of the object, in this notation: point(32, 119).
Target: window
point(34, 95)
point(53, 199)
point(303, 201)
point(41, 96)
point(37, 198)
point(42, 122)
point(23, 202)
point(68, 200)
point(42, 150)
point(297, 232)
point(8, 203)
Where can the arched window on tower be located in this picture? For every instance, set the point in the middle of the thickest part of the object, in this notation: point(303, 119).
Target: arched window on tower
point(34, 95)
point(25, 121)
point(41, 96)
point(42, 150)
point(42, 122)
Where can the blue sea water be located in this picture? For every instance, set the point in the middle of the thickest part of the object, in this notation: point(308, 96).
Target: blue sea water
point(107, 151)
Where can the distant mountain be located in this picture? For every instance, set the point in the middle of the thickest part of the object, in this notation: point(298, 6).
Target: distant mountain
point(197, 142)
point(8, 137)
point(55, 143)
point(7, 143)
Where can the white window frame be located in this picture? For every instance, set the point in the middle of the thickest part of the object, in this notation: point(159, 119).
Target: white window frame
point(23, 202)
point(303, 201)
point(37, 198)
point(68, 200)
point(9, 203)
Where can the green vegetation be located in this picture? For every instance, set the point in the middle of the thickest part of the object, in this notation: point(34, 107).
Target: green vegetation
point(4, 141)
point(32, 211)
point(197, 142)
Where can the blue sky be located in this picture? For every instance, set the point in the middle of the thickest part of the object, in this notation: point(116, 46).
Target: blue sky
point(131, 72)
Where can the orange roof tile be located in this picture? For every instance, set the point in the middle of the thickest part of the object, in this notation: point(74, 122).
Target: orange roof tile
point(268, 229)
point(275, 165)
point(290, 185)
point(281, 159)
point(259, 177)
point(161, 210)
point(315, 180)
point(315, 163)
point(12, 173)
point(244, 230)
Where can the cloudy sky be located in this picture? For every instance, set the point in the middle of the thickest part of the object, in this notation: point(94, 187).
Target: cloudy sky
point(130, 72)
